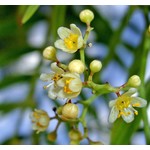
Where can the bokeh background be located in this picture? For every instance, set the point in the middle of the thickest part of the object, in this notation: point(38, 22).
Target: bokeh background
point(117, 38)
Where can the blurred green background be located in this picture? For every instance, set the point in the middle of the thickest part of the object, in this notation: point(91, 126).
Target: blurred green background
point(119, 40)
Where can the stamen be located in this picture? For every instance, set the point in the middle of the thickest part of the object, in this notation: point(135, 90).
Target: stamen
point(136, 105)
point(47, 86)
point(71, 41)
point(66, 87)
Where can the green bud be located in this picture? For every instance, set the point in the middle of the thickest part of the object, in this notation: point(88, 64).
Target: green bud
point(50, 53)
point(70, 111)
point(134, 81)
point(73, 142)
point(75, 135)
point(76, 66)
point(59, 110)
point(52, 136)
point(86, 16)
point(95, 66)
point(95, 143)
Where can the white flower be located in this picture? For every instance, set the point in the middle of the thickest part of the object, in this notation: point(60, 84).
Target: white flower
point(123, 106)
point(52, 77)
point(40, 120)
point(70, 39)
point(70, 84)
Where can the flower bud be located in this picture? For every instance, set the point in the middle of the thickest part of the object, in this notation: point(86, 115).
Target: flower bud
point(50, 53)
point(95, 66)
point(59, 110)
point(95, 143)
point(40, 120)
point(76, 66)
point(86, 16)
point(72, 142)
point(75, 135)
point(52, 136)
point(134, 81)
point(70, 111)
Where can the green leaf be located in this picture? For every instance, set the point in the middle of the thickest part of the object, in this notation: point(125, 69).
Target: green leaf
point(122, 132)
point(29, 13)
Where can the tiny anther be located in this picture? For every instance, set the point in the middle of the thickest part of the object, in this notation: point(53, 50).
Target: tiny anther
point(118, 94)
point(54, 109)
point(69, 101)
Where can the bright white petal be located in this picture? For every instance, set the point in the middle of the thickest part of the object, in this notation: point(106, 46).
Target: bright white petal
point(75, 85)
point(46, 77)
point(112, 103)
point(75, 29)
point(130, 92)
point(64, 32)
point(113, 114)
point(138, 102)
point(129, 115)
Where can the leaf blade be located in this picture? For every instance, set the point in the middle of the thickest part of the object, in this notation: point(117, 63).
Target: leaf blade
point(29, 13)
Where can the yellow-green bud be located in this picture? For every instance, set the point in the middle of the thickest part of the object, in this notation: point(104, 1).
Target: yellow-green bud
point(75, 135)
point(59, 110)
point(95, 66)
point(134, 81)
point(86, 16)
point(70, 111)
point(50, 53)
point(52, 136)
point(72, 142)
point(95, 143)
point(76, 66)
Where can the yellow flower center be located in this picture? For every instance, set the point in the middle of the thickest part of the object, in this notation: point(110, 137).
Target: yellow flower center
point(71, 41)
point(122, 103)
point(66, 87)
point(56, 77)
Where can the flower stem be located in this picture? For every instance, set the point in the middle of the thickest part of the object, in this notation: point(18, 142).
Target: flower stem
point(86, 105)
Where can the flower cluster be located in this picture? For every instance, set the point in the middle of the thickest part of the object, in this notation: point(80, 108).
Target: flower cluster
point(65, 83)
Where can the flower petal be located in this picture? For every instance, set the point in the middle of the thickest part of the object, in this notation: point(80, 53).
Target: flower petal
point(62, 94)
point(52, 92)
point(80, 42)
point(112, 103)
point(61, 82)
point(128, 116)
point(113, 114)
point(138, 102)
point(75, 85)
point(46, 77)
point(63, 32)
point(75, 29)
point(130, 92)
point(60, 45)
point(56, 69)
